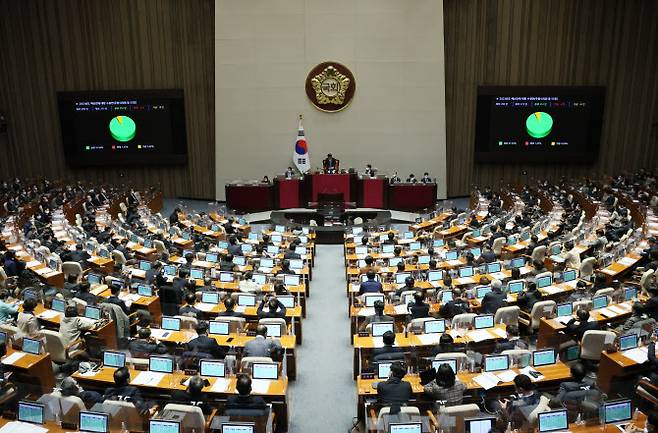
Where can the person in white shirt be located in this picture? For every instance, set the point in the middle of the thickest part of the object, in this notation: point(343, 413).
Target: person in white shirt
point(571, 257)
point(247, 285)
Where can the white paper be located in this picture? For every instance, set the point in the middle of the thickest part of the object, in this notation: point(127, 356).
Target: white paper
point(606, 312)
point(160, 333)
point(11, 359)
point(454, 262)
point(132, 297)
point(507, 375)
point(427, 339)
point(639, 354)
point(49, 314)
point(240, 309)
point(499, 332)
point(220, 385)
point(563, 319)
point(22, 427)
point(479, 335)
point(551, 290)
point(499, 275)
point(366, 311)
point(204, 307)
point(401, 309)
point(615, 309)
point(627, 261)
point(486, 380)
point(527, 370)
point(32, 263)
point(148, 378)
point(260, 386)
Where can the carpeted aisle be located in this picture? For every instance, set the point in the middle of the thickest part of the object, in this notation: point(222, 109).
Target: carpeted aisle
point(323, 399)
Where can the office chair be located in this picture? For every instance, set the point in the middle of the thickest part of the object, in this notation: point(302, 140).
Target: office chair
point(587, 267)
point(72, 268)
point(507, 315)
point(593, 343)
point(538, 254)
point(541, 309)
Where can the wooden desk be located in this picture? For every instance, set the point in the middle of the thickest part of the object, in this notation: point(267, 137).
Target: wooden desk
point(106, 332)
point(615, 367)
point(619, 267)
point(34, 368)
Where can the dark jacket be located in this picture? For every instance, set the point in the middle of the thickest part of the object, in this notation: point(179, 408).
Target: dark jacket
point(454, 307)
point(205, 344)
point(527, 300)
point(577, 329)
point(395, 392)
point(89, 298)
point(116, 301)
point(492, 301)
point(370, 287)
point(141, 348)
point(280, 311)
point(127, 393)
point(242, 402)
point(419, 310)
point(384, 353)
point(183, 397)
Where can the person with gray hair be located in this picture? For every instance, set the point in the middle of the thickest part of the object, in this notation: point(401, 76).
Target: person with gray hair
point(495, 299)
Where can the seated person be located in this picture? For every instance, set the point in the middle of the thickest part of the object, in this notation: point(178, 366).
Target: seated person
point(330, 164)
point(84, 295)
point(446, 345)
point(384, 353)
point(370, 266)
point(280, 289)
point(194, 395)
point(261, 345)
point(458, 305)
point(290, 253)
point(27, 323)
point(204, 344)
point(513, 341)
point(578, 326)
point(409, 284)
point(426, 178)
point(580, 293)
point(445, 387)
point(529, 298)
point(71, 326)
point(226, 263)
point(229, 304)
point(8, 311)
point(652, 361)
point(285, 268)
point(69, 387)
point(189, 309)
point(395, 391)
point(379, 316)
point(419, 308)
point(578, 389)
point(145, 345)
point(125, 392)
point(275, 309)
point(371, 285)
point(247, 285)
point(114, 299)
point(70, 286)
point(244, 400)
point(651, 306)
point(517, 410)
point(637, 322)
point(493, 300)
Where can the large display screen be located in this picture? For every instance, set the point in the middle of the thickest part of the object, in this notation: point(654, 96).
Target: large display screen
point(538, 124)
point(123, 127)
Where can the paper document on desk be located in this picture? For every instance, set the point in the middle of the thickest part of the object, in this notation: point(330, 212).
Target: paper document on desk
point(551, 290)
point(435, 284)
point(427, 339)
point(148, 378)
point(366, 311)
point(486, 380)
point(354, 287)
point(479, 335)
point(204, 307)
point(500, 332)
point(527, 370)
point(260, 386)
point(507, 375)
point(606, 312)
point(220, 385)
point(457, 333)
point(11, 359)
point(454, 262)
point(639, 354)
point(98, 289)
point(265, 270)
point(386, 255)
point(627, 261)
point(401, 309)
point(22, 427)
point(160, 333)
point(499, 275)
point(563, 319)
point(32, 263)
point(132, 297)
point(240, 309)
point(617, 309)
point(48, 314)
point(608, 271)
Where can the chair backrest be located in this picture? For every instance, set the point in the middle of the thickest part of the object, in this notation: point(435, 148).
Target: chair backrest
point(55, 345)
point(541, 309)
point(159, 246)
point(608, 291)
point(236, 323)
point(461, 357)
point(72, 268)
point(645, 279)
point(3, 277)
point(275, 321)
point(406, 414)
point(507, 315)
point(461, 409)
point(45, 251)
point(583, 304)
point(123, 411)
point(118, 257)
point(187, 322)
point(587, 267)
point(66, 408)
point(407, 294)
point(79, 303)
point(593, 343)
point(541, 407)
point(463, 320)
point(544, 274)
point(358, 220)
point(245, 363)
point(498, 245)
point(538, 254)
point(418, 324)
point(193, 416)
point(520, 357)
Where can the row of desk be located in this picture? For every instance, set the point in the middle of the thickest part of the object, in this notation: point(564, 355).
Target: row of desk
point(367, 192)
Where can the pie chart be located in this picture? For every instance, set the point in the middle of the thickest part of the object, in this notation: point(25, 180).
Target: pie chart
point(122, 128)
point(539, 124)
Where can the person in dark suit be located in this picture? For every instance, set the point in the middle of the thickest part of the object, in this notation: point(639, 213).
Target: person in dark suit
point(652, 361)
point(193, 396)
point(379, 353)
point(378, 317)
point(123, 248)
point(370, 285)
point(233, 246)
point(145, 345)
point(579, 388)
point(123, 391)
point(487, 256)
point(395, 391)
point(497, 233)
point(330, 164)
point(529, 298)
point(244, 399)
point(204, 344)
point(261, 345)
point(290, 253)
point(581, 324)
point(495, 299)
point(275, 309)
point(83, 294)
point(151, 276)
point(513, 340)
point(189, 309)
point(229, 304)
point(651, 306)
point(458, 305)
point(114, 298)
point(419, 308)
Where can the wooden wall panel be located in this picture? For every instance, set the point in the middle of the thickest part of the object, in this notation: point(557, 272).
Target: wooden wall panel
point(553, 42)
point(119, 44)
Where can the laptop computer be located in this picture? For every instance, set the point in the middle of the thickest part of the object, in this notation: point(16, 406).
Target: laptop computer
point(114, 359)
point(30, 412)
point(554, 420)
point(94, 422)
point(479, 425)
point(164, 426)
